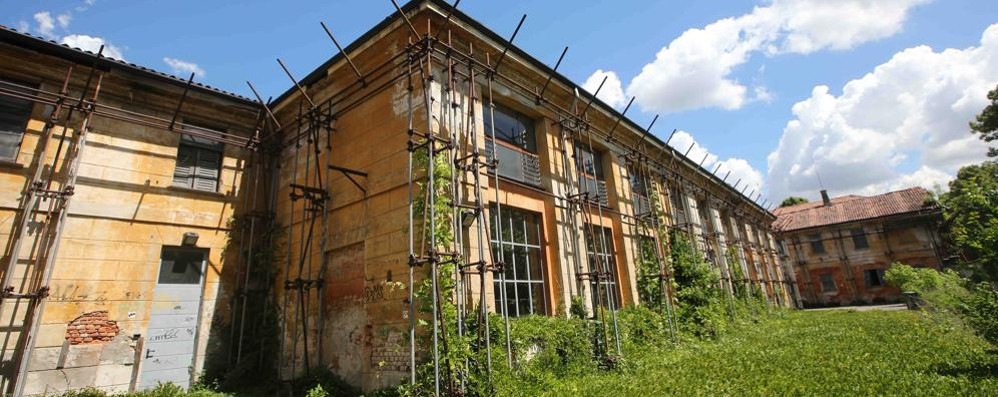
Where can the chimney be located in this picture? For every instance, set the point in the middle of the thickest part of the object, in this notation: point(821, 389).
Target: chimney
point(824, 198)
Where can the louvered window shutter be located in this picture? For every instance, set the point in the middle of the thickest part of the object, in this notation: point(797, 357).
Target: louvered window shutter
point(183, 174)
point(207, 170)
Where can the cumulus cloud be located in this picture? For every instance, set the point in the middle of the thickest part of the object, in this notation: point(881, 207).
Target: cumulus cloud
point(612, 92)
point(694, 70)
point(45, 24)
point(903, 124)
point(737, 170)
point(92, 44)
point(184, 68)
point(64, 20)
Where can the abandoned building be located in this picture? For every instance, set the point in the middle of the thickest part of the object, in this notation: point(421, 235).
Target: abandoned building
point(839, 248)
point(156, 228)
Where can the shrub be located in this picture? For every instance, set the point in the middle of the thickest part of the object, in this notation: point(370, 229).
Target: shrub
point(940, 290)
point(981, 311)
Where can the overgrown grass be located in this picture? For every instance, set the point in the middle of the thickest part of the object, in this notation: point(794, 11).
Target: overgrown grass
point(784, 353)
point(802, 353)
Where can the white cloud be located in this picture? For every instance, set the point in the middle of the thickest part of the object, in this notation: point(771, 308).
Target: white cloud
point(612, 92)
point(92, 44)
point(762, 94)
point(741, 172)
point(910, 112)
point(46, 24)
point(23, 26)
point(694, 70)
point(184, 68)
point(64, 20)
point(86, 5)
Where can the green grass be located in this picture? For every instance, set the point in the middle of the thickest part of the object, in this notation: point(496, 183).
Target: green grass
point(825, 353)
point(829, 353)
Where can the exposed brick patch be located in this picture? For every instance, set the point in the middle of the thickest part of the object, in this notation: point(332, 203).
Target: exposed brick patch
point(93, 327)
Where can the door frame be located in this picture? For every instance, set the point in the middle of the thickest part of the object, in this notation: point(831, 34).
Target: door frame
point(205, 254)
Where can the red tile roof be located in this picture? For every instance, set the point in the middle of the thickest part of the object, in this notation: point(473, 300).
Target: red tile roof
point(851, 208)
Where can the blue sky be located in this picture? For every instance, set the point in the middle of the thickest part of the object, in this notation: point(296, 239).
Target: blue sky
point(740, 76)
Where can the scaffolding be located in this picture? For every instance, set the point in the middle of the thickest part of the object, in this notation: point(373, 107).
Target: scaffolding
point(47, 196)
point(433, 70)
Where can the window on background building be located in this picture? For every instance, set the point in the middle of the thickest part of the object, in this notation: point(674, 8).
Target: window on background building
point(859, 238)
point(199, 161)
point(521, 251)
point(14, 115)
point(828, 283)
point(817, 244)
point(874, 277)
point(599, 247)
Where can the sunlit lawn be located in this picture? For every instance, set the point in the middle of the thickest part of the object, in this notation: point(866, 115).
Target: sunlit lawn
point(829, 353)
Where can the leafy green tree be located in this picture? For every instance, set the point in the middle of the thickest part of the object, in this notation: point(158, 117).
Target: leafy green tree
point(792, 200)
point(987, 122)
point(971, 216)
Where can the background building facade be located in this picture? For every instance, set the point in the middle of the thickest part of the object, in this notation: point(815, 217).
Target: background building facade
point(840, 248)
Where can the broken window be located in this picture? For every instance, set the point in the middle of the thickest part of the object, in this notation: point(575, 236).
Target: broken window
point(828, 283)
point(14, 115)
point(639, 190)
point(524, 266)
point(589, 164)
point(515, 147)
point(859, 239)
point(817, 244)
point(512, 127)
point(874, 278)
point(199, 160)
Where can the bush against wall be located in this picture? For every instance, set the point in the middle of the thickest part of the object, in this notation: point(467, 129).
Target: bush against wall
point(976, 304)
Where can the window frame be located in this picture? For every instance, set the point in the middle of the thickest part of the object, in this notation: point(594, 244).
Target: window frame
point(198, 146)
point(826, 279)
point(817, 244)
point(608, 254)
point(166, 250)
point(530, 142)
point(859, 237)
point(537, 305)
point(18, 86)
point(596, 155)
point(879, 273)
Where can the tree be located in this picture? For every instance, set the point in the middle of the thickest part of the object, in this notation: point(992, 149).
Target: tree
point(792, 200)
point(987, 122)
point(970, 211)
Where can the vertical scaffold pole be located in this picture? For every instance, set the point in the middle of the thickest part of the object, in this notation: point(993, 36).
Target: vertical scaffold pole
point(501, 269)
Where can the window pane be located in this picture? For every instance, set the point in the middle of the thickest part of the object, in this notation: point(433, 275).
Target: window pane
point(524, 267)
point(859, 239)
point(512, 127)
point(14, 115)
point(540, 303)
point(180, 266)
point(183, 174)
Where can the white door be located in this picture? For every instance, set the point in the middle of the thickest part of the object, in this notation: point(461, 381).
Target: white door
point(171, 338)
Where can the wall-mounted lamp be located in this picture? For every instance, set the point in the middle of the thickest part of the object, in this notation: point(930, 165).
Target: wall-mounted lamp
point(190, 239)
point(468, 217)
